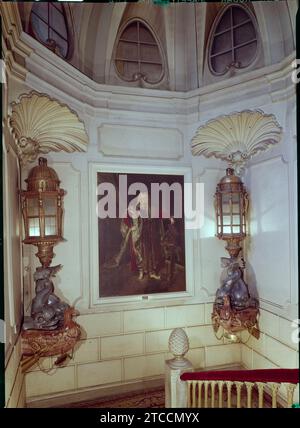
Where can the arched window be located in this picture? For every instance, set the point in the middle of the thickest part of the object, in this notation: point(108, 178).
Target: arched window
point(234, 42)
point(49, 25)
point(138, 55)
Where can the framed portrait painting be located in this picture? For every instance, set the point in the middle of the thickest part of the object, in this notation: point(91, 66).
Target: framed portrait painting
point(141, 248)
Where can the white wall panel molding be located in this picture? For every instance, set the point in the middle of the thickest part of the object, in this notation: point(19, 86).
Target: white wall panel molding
point(69, 282)
point(270, 234)
point(291, 150)
point(291, 129)
point(12, 246)
point(140, 142)
point(207, 267)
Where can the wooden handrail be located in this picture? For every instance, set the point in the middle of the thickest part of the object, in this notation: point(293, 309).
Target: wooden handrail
point(263, 375)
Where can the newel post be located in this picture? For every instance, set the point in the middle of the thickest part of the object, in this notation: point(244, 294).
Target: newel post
point(175, 389)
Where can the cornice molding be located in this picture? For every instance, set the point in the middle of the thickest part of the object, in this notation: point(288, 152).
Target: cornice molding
point(15, 50)
point(40, 124)
point(46, 69)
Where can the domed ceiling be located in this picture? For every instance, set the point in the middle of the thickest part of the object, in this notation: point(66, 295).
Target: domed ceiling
point(174, 47)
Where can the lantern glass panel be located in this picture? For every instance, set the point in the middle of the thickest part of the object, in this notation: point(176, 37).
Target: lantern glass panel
point(226, 203)
point(236, 229)
point(34, 226)
point(32, 207)
point(236, 220)
point(227, 230)
point(226, 220)
point(50, 206)
point(235, 203)
point(50, 226)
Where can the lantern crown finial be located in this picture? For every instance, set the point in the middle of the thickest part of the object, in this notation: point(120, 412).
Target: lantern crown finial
point(230, 178)
point(42, 178)
point(42, 161)
point(229, 171)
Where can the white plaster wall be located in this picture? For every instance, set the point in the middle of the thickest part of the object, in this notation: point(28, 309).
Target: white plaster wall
point(12, 245)
point(272, 247)
point(269, 242)
point(12, 251)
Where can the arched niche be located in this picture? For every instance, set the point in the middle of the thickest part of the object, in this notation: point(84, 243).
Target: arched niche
point(154, 17)
point(25, 15)
point(214, 14)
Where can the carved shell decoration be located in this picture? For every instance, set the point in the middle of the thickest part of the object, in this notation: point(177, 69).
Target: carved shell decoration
point(237, 137)
point(178, 343)
point(40, 124)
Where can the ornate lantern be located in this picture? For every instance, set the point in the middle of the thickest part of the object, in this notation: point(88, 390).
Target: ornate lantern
point(49, 330)
point(234, 309)
point(235, 138)
point(42, 211)
point(231, 204)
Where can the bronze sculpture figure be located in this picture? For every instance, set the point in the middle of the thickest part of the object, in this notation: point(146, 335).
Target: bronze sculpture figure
point(47, 310)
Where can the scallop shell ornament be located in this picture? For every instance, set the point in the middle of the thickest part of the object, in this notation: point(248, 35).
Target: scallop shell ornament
point(178, 343)
point(40, 124)
point(237, 137)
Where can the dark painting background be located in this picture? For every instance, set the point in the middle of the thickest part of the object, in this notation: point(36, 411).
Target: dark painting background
point(122, 280)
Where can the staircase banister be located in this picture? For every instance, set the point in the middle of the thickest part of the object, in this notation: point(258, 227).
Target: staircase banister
point(262, 375)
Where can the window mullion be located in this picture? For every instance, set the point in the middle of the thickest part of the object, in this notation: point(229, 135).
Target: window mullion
point(40, 18)
point(143, 61)
point(60, 35)
point(241, 24)
point(52, 29)
point(221, 52)
point(241, 45)
point(58, 10)
point(234, 22)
